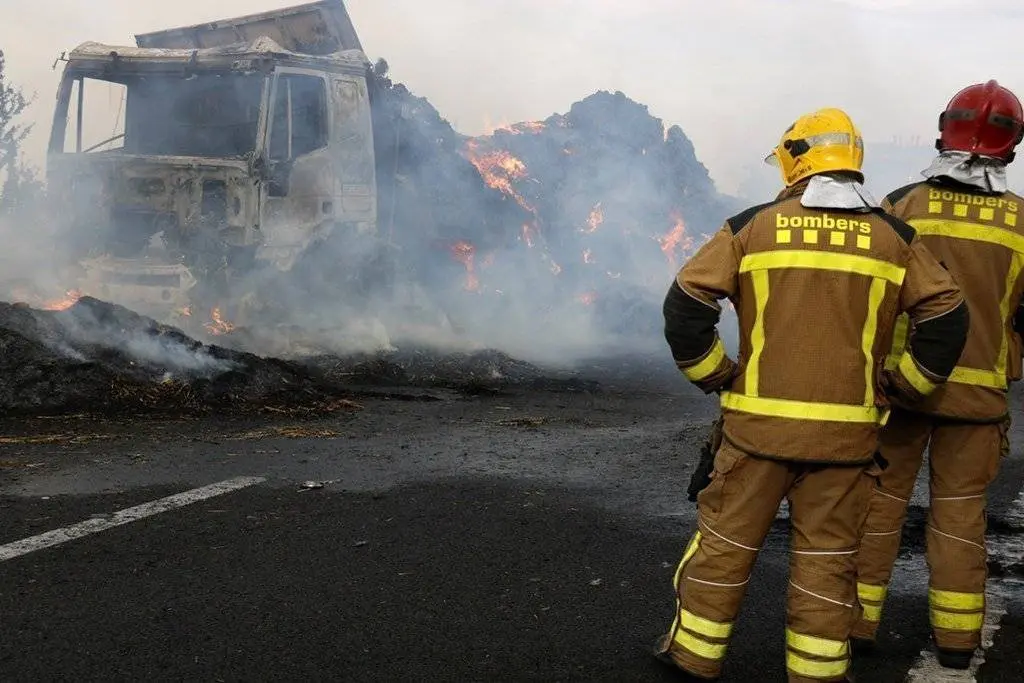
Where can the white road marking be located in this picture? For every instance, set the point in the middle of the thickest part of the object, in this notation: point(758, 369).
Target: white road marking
point(132, 514)
point(998, 594)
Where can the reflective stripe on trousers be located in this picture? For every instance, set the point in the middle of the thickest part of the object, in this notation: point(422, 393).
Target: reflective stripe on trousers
point(871, 599)
point(703, 637)
point(815, 657)
point(953, 611)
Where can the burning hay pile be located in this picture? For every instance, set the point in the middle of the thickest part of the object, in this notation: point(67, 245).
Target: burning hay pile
point(101, 358)
point(568, 232)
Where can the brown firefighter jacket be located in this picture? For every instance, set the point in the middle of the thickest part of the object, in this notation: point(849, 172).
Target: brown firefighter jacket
point(976, 237)
point(817, 294)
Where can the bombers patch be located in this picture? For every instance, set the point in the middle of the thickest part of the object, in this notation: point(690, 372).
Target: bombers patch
point(823, 221)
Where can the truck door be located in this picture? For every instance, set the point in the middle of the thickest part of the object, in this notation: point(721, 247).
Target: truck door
point(299, 194)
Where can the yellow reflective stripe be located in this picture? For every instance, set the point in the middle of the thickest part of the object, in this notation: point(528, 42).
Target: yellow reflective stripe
point(751, 372)
point(866, 591)
point(823, 260)
point(708, 364)
point(956, 621)
point(691, 550)
point(872, 613)
point(991, 235)
point(800, 410)
point(819, 647)
point(914, 375)
point(801, 666)
point(970, 231)
point(1016, 265)
point(699, 647)
point(705, 627)
point(867, 338)
point(979, 378)
point(955, 600)
point(900, 334)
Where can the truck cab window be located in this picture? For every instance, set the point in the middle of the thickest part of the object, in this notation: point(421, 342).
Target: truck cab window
point(300, 117)
point(96, 116)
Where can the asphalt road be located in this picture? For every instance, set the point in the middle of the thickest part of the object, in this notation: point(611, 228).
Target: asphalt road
point(515, 537)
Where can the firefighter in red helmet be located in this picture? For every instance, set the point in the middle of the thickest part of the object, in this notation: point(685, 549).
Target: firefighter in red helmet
point(971, 223)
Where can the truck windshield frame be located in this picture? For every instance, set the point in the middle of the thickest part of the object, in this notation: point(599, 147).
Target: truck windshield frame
point(206, 113)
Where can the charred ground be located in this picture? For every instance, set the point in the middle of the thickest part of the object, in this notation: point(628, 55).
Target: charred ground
point(100, 358)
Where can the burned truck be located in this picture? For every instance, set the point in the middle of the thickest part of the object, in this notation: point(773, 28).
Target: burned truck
point(206, 163)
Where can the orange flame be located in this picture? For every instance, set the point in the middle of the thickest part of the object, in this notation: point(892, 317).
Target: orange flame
point(676, 240)
point(218, 325)
point(463, 252)
point(587, 298)
point(69, 300)
point(530, 126)
point(499, 169)
point(588, 256)
point(595, 219)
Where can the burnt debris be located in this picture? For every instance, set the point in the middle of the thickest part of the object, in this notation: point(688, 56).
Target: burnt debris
point(96, 357)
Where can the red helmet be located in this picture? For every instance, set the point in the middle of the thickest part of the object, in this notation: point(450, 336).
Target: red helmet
point(984, 119)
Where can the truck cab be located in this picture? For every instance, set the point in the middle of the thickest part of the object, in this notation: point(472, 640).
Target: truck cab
point(206, 154)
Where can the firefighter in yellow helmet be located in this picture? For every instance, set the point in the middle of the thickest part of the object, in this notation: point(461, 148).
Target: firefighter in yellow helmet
point(817, 278)
point(965, 214)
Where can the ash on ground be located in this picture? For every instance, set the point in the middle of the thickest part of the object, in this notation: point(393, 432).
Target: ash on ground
point(97, 357)
point(101, 358)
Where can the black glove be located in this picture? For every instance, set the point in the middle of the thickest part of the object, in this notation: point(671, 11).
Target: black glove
point(702, 474)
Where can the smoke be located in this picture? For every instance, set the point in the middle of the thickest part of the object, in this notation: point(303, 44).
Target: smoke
point(550, 240)
point(89, 331)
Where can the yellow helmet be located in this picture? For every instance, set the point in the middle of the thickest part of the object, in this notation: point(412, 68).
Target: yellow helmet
point(819, 142)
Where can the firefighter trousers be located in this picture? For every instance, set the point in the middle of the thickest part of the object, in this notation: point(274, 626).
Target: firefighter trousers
point(964, 459)
point(827, 505)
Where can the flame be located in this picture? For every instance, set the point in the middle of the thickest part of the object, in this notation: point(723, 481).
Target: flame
point(587, 298)
point(595, 219)
point(69, 300)
point(529, 126)
point(588, 256)
point(186, 311)
point(463, 252)
point(499, 169)
point(218, 325)
point(676, 240)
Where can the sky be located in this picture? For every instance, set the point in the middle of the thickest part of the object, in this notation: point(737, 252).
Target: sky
point(732, 73)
